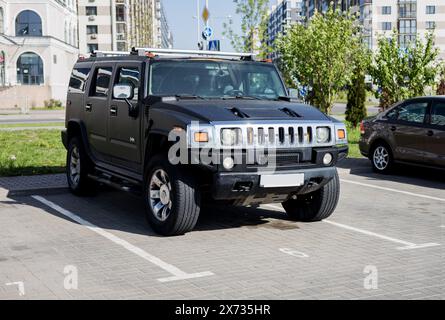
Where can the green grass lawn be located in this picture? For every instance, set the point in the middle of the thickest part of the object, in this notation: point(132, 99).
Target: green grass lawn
point(354, 138)
point(30, 152)
point(31, 125)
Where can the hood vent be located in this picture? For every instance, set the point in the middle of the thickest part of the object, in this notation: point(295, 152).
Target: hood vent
point(238, 113)
point(290, 113)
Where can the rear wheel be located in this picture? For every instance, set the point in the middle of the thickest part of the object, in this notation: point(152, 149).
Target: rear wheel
point(172, 198)
point(78, 166)
point(381, 158)
point(315, 206)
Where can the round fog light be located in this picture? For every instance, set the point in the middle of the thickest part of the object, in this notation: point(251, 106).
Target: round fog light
point(327, 159)
point(228, 163)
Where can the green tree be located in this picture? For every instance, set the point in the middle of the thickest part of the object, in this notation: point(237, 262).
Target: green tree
point(441, 87)
point(318, 55)
point(356, 107)
point(253, 27)
point(402, 73)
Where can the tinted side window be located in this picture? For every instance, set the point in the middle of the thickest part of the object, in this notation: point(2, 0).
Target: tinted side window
point(131, 76)
point(438, 114)
point(78, 79)
point(413, 112)
point(101, 84)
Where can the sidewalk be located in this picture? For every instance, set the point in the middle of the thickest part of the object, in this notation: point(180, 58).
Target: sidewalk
point(26, 185)
point(14, 116)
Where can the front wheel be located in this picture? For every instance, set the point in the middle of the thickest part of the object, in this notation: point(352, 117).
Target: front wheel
point(172, 198)
point(315, 206)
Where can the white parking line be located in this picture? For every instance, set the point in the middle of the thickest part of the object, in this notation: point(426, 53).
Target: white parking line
point(177, 274)
point(393, 190)
point(406, 245)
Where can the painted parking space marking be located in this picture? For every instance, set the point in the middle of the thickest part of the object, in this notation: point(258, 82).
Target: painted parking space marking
point(406, 244)
point(176, 273)
point(393, 190)
point(294, 253)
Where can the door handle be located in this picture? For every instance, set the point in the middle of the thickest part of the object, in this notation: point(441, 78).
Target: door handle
point(88, 107)
point(430, 133)
point(113, 111)
point(393, 128)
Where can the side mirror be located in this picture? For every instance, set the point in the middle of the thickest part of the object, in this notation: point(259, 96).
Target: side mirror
point(293, 93)
point(123, 92)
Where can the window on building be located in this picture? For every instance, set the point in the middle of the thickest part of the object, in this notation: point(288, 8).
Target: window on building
point(120, 13)
point(386, 10)
point(386, 26)
point(430, 25)
point(91, 29)
point(408, 26)
point(28, 23)
point(407, 10)
point(91, 11)
point(92, 47)
point(430, 9)
point(2, 68)
point(78, 80)
point(101, 84)
point(2, 28)
point(129, 75)
point(29, 69)
point(121, 46)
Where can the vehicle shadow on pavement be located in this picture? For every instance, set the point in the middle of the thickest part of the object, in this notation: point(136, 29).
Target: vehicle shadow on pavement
point(120, 211)
point(417, 176)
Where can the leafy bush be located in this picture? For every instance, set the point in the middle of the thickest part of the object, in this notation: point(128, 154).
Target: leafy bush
point(53, 104)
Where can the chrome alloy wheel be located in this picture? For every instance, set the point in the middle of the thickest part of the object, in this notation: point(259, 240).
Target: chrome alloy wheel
point(160, 195)
point(381, 158)
point(75, 166)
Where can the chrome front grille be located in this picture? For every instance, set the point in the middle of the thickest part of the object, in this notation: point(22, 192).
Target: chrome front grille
point(295, 134)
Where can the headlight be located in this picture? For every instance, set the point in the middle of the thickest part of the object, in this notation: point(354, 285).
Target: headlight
point(323, 134)
point(231, 137)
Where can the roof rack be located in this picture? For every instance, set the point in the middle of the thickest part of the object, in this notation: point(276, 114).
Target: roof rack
point(173, 52)
point(191, 53)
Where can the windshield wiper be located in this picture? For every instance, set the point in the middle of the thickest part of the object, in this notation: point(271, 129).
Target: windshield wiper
point(188, 96)
point(242, 97)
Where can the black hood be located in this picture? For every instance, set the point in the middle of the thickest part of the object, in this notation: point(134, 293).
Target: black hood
point(245, 110)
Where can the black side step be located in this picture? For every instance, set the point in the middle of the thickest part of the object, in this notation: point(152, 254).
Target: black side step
point(117, 183)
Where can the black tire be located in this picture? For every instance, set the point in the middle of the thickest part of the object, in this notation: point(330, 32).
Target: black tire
point(79, 183)
point(381, 158)
point(184, 200)
point(315, 206)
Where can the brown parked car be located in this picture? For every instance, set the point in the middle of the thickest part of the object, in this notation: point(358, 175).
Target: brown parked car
point(412, 132)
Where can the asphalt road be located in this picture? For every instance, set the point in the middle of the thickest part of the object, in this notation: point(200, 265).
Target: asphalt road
point(34, 116)
point(385, 241)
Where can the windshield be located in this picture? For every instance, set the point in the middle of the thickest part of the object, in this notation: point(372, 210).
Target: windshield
point(215, 79)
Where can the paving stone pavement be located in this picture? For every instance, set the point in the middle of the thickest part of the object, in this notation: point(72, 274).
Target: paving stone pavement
point(252, 253)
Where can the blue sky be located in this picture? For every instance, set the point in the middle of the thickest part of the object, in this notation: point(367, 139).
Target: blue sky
point(180, 15)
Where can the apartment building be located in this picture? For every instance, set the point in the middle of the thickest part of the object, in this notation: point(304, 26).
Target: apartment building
point(121, 24)
point(38, 47)
point(409, 17)
point(281, 17)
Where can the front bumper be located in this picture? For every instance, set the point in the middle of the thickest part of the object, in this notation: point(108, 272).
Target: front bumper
point(246, 186)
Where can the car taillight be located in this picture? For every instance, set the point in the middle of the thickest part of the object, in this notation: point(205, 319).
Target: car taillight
point(362, 128)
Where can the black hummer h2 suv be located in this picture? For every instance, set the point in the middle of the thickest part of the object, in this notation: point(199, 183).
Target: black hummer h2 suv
point(182, 127)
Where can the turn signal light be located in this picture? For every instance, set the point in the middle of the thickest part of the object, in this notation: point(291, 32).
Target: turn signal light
point(201, 137)
point(341, 134)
